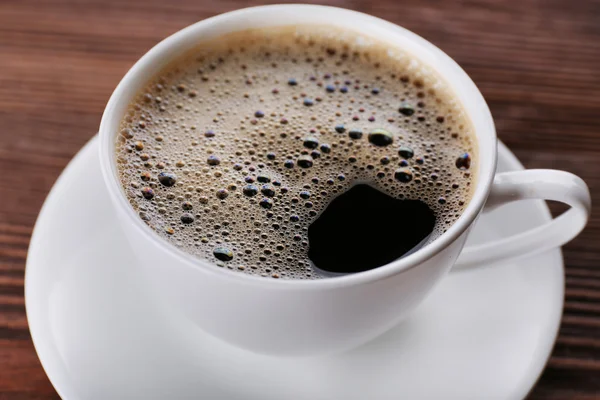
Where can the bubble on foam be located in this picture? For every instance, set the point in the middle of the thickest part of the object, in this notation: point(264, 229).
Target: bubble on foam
point(226, 159)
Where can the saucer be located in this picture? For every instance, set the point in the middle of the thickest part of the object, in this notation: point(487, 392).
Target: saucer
point(483, 333)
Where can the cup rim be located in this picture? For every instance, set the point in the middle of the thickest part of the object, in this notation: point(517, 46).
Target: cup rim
point(469, 215)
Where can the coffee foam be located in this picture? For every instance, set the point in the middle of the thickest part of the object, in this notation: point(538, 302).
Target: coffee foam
point(232, 151)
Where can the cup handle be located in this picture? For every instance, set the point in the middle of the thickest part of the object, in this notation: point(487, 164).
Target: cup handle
point(544, 184)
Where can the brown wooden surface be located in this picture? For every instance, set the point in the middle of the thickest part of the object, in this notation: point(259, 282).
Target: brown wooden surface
point(536, 62)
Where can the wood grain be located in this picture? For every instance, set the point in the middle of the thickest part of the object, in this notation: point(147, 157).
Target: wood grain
point(536, 62)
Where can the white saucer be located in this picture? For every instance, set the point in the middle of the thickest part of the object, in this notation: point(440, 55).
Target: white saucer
point(482, 334)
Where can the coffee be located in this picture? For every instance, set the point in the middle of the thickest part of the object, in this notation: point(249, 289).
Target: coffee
point(297, 152)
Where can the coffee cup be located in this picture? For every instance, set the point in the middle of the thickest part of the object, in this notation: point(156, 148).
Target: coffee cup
point(311, 317)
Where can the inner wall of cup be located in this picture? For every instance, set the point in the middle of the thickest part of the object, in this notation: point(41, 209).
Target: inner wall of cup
point(281, 15)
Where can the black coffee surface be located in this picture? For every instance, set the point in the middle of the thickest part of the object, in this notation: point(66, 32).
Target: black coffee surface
point(235, 150)
point(364, 229)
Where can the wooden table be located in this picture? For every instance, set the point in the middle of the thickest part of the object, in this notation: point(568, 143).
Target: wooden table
point(537, 63)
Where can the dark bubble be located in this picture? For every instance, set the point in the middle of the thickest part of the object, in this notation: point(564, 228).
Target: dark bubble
point(340, 129)
point(292, 82)
point(308, 102)
point(341, 177)
point(268, 190)
point(463, 162)
point(420, 160)
point(238, 167)
point(325, 148)
point(263, 178)
point(375, 91)
point(259, 114)
point(146, 176)
point(315, 154)
point(403, 163)
point(403, 175)
point(186, 205)
point(249, 179)
point(209, 133)
point(355, 134)
point(167, 179)
point(288, 163)
point(380, 137)
point(294, 218)
point(223, 254)
point(126, 133)
point(344, 89)
point(442, 200)
point(305, 162)
point(148, 193)
point(311, 142)
point(213, 160)
point(222, 194)
point(330, 88)
point(271, 156)
point(406, 152)
point(384, 160)
point(187, 218)
point(266, 203)
point(406, 109)
point(305, 194)
point(250, 190)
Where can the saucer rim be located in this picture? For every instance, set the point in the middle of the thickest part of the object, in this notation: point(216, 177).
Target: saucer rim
point(529, 379)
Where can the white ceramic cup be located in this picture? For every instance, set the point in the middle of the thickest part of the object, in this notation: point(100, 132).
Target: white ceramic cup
point(293, 317)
